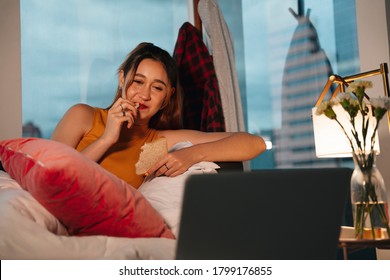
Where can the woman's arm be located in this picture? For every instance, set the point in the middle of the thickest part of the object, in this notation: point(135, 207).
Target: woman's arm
point(218, 146)
point(76, 122)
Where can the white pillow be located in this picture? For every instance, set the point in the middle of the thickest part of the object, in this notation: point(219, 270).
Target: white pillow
point(166, 193)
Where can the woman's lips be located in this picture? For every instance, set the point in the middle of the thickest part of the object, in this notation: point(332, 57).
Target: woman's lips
point(142, 106)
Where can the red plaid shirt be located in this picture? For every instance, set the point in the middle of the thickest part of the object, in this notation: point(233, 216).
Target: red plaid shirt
point(202, 102)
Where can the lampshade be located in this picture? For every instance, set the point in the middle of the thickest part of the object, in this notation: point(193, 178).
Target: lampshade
point(331, 141)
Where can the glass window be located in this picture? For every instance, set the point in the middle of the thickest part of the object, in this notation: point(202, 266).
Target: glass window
point(71, 51)
point(284, 51)
point(290, 49)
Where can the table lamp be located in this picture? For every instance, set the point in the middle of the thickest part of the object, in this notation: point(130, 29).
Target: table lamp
point(329, 138)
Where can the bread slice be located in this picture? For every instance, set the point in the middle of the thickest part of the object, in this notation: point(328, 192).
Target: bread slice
point(150, 154)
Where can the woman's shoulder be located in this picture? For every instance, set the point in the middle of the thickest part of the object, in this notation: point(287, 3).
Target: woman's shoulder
point(81, 108)
point(82, 113)
point(77, 120)
point(84, 110)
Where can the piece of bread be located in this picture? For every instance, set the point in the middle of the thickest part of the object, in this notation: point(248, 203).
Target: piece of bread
point(150, 154)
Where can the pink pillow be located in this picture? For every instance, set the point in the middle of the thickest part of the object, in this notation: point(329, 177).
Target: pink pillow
point(86, 198)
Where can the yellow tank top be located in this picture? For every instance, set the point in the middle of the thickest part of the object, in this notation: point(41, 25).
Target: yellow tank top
point(120, 159)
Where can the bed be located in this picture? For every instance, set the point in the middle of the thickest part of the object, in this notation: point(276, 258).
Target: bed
point(56, 204)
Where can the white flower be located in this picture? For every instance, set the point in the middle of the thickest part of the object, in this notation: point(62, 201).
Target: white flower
point(359, 84)
point(380, 102)
point(345, 96)
point(342, 96)
point(324, 106)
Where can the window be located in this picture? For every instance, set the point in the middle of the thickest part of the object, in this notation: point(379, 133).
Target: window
point(284, 52)
point(71, 50)
point(289, 50)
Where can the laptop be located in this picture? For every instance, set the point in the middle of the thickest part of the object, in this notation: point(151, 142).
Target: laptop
point(279, 214)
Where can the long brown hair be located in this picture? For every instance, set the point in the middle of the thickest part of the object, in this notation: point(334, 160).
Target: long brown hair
point(170, 114)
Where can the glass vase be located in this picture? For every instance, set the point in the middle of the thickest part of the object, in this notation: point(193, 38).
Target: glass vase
point(369, 199)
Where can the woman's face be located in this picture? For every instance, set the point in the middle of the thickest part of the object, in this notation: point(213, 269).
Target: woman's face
point(149, 89)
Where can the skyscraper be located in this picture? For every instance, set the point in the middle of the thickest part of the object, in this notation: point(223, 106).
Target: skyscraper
point(306, 70)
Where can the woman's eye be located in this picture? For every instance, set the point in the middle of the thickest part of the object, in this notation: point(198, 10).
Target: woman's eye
point(158, 88)
point(139, 82)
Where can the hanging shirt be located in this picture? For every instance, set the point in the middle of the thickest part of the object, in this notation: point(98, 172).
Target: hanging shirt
point(121, 157)
point(224, 61)
point(202, 108)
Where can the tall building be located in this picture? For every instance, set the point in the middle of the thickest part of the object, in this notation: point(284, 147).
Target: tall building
point(306, 71)
point(306, 68)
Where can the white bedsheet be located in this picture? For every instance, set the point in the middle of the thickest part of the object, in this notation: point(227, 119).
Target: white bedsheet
point(29, 231)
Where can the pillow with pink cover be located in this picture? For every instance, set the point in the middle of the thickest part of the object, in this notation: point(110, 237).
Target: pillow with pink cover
point(85, 197)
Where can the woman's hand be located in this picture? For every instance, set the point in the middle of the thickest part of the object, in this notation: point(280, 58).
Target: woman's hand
point(121, 111)
point(175, 163)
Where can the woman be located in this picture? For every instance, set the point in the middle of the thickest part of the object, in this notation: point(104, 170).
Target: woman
point(147, 106)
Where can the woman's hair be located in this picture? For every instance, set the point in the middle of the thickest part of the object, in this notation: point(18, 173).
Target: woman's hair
point(170, 114)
